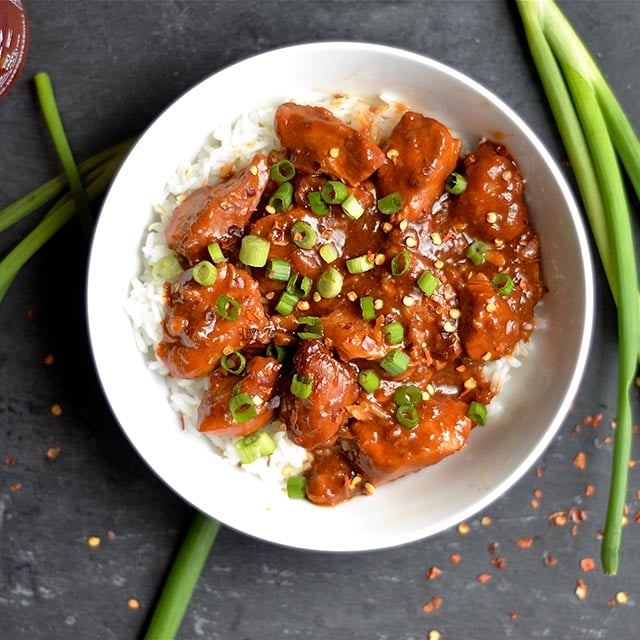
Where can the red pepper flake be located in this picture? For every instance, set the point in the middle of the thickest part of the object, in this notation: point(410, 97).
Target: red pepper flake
point(576, 430)
point(637, 494)
point(574, 530)
point(456, 558)
point(538, 472)
point(587, 419)
point(537, 493)
point(550, 560)
point(513, 615)
point(577, 515)
point(632, 463)
point(524, 543)
point(499, 562)
point(611, 604)
point(493, 548)
point(52, 453)
point(433, 573)
point(56, 409)
point(132, 603)
point(608, 440)
point(558, 518)
point(111, 535)
point(433, 605)
point(16, 486)
point(596, 420)
point(600, 534)
point(49, 360)
point(484, 577)
point(463, 528)
point(581, 589)
point(10, 461)
point(580, 461)
point(534, 504)
point(637, 517)
point(589, 490)
point(587, 564)
point(30, 313)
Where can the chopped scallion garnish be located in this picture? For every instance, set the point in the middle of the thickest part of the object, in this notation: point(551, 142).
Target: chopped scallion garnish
point(428, 283)
point(329, 252)
point(367, 307)
point(477, 252)
point(407, 416)
point(360, 264)
point(396, 362)
point(312, 328)
point(167, 268)
point(393, 332)
point(277, 351)
point(204, 273)
point(391, 203)
point(301, 387)
point(301, 290)
point(329, 284)
point(254, 446)
point(318, 206)
point(407, 395)
point(254, 251)
point(368, 380)
point(400, 263)
point(234, 362)
point(215, 252)
point(228, 308)
point(297, 487)
point(242, 409)
point(334, 192)
point(286, 303)
point(303, 235)
point(477, 413)
point(282, 199)
point(278, 269)
point(282, 171)
point(503, 283)
point(352, 207)
point(455, 184)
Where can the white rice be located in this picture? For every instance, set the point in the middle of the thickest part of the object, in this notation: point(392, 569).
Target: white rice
point(232, 146)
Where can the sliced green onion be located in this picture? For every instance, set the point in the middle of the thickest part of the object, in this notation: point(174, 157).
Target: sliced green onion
point(503, 283)
point(477, 252)
point(395, 362)
point(393, 332)
point(303, 235)
point(301, 387)
point(282, 171)
point(282, 199)
point(297, 487)
point(242, 409)
point(407, 416)
point(391, 203)
point(301, 290)
point(367, 308)
point(368, 380)
point(334, 192)
point(278, 352)
point(329, 284)
point(278, 269)
point(400, 263)
point(477, 413)
point(407, 395)
point(204, 273)
point(215, 253)
point(228, 308)
point(313, 328)
point(167, 268)
point(254, 251)
point(352, 207)
point(360, 264)
point(455, 184)
point(286, 303)
point(318, 206)
point(428, 283)
point(329, 252)
point(254, 446)
point(227, 363)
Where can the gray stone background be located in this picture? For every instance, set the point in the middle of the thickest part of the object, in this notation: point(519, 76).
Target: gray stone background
point(115, 66)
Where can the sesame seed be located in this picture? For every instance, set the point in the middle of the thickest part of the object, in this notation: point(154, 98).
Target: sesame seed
point(303, 305)
point(334, 152)
point(621, 597)
point(387, 226)
point(411, 242)
point(379, 259)
point(463, 528)
point(316, 296)
point(425, 395)
point(455, 313)
point(93, 541)
point(227, 349)
point(487, 356)
point(431, 389)
point(438, 264)
point(355, 481)
point(403, 225)
point(490, 307)
point(486, 521)
point(434, 635)
point(408, 301)
point(369, 488)
point(270, 295)
point(352, 295)
point(498, 242)
point(392, 154)
point(436, 239)
point(377, 304)
point(470, 383)
point(506, 176)
point(492, 216)
point(449, 327)
point(253, 170)
point(270, 209)
point(132, 603)
point(581, 589)
point(287, 470)
point(257, 400)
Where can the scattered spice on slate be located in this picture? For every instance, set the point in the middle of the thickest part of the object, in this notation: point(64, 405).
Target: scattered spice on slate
point(132, 603)
point(463, 528)
point(16, 486)
point(587, 564)
point(56, 409)
point(93, 541)
point(455, 558)
point(621, 597)
point(52, 453)
point(433, 573)
point(10, 461)
point(524, 543)
point(486, 521)
point(589, 490)
point(434, 635)
point(581, 589)
point(499, 563)
point(484, 577)
point(49, 360)
point(580, 461)
point(550, 560)
point(433, 605)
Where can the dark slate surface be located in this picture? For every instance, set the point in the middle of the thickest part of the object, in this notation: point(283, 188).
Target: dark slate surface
point(115, 66)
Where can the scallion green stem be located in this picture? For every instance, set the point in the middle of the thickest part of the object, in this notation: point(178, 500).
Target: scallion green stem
point(591, 122)
point(56, 129)
point(46, 192)
point(182, 578)
point(53, 221)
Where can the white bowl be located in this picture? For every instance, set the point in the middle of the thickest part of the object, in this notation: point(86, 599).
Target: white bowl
point(534, 401)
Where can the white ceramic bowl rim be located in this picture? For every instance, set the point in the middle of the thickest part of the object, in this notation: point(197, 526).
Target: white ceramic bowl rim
point(408, 509)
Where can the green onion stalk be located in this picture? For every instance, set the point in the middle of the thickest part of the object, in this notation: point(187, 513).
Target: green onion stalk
point(596, 135)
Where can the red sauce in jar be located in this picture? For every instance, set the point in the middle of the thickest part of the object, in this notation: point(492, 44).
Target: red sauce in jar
point(14, 42)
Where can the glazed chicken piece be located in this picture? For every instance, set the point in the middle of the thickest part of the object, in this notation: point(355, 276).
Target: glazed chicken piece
point(321, 143)
point(354, 338)
point(259, 380)
point(195, 332)
point(493, 203)
point(331, 478)
point(384, 451)
point(421, 155)
point(315, 421)
point(490, 328)
point(218, 213)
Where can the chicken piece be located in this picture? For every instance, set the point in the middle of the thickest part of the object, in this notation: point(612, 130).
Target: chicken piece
point(315, 421)
point(492, 205)
point(385, 451)
point(321, 143)
point(354, 338)
point(422, 154)
point(490, 328)
point(258, 380)
point(218, 213)
point(331, 479)
point(196, 335)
